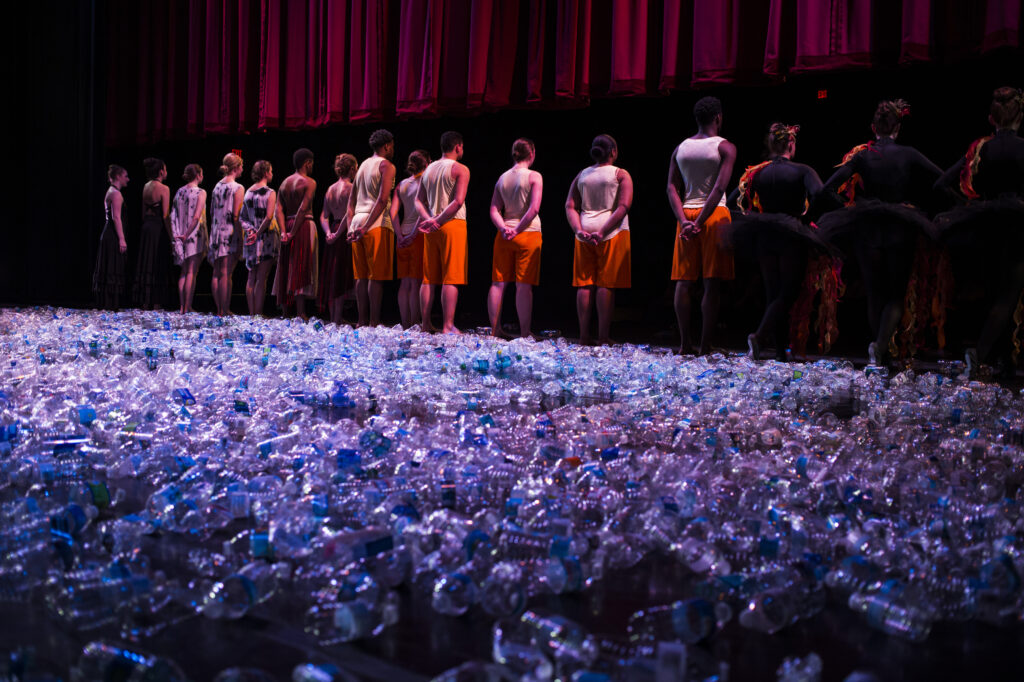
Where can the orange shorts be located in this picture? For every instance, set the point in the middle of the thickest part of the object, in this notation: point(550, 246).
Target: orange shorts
point(604, 265)
point(706, 254)
point(410, 259)
point(517, 259)
point(446, 254)
point(373, 255)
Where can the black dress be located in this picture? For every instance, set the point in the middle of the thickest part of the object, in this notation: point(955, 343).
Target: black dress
point(883, 226)
point(987, 233)
point(108, 277)
point(151, 271)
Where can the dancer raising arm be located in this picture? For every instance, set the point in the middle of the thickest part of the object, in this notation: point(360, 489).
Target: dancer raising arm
point(597, 210)
point(514, 208)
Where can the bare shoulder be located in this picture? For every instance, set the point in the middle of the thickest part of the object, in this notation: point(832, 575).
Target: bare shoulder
point(622, 174)
point(535, 176)
point(726, 147)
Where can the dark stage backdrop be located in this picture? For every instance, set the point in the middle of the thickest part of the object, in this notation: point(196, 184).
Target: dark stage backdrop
point(51, 258)
point(191, 67)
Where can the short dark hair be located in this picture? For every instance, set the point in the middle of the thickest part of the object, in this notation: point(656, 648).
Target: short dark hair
point(522, 149)
point(192, 171)
point(706, 109)
point(114, 172)
point(1006, 106)
point(602, 147)
point(260, 169)
point(450, 140)
point(418, 161)
point(300, 157)
point(153, 167)
point(888, 115)
point(379, 138)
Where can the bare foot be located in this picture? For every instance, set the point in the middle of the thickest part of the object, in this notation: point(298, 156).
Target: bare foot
point(499, 333)
point(451, 330)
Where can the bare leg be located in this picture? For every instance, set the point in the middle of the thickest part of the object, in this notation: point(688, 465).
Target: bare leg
point(605, 306)
point(426, 306)
point(709, 312)
point(215, 284)
point(300, 307)
point(375, 290)
point(250, 290)
point(362, 302)
point(260, 290)
point(449, 299)
point(413, 300)
point(494, 296)
point(335, 307)
point(404, 302)
point(524, 306)
point(193, 279)
point(584, 301)
point(684, 291)
point(182, 290)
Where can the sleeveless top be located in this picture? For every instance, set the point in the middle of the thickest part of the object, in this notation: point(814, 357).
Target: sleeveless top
point(224, 205)
point(440, 187)
point(152, 209)
point(514, 188)
point(108, 217)
point(367, 188)
point(598, 189)
point(699, 161)
point(254, 208)
point(407, 191)
point(186, 199)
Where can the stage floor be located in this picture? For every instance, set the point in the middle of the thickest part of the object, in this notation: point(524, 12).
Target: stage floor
point(613, 479)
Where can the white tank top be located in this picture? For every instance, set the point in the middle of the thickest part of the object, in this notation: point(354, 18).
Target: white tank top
point(440, 187)
point(367, 188)
point(598, 189)
point(699, 161)
point(407, 191)
point(514, 188)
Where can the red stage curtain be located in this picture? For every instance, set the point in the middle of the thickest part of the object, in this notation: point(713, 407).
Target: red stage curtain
point(229, 66)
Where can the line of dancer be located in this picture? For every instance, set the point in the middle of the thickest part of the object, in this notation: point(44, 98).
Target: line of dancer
point(880, 210)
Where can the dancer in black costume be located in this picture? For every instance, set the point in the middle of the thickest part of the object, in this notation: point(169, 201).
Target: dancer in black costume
point(151, 270)
point(108, 277)
point(991, 177)
point(882, 182)
point(772, 197)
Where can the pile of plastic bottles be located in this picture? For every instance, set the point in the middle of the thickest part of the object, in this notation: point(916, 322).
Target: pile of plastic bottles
point(156, 468)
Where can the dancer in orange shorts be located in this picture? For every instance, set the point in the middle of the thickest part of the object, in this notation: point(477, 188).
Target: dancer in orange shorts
point(514, 207)
point(698, 173)
point(369, 227)
point(441, 205)
point(410, 240)
point(597, 208)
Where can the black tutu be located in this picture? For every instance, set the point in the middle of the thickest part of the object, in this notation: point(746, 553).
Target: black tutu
point(746, 227)
point(999, 219)
point(152, 267)
point(108, 277)
point(878, 223)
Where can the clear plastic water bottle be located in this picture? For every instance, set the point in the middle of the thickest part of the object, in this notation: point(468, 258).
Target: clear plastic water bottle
point(105, 661)
point(233, 597)
point(333, 623)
